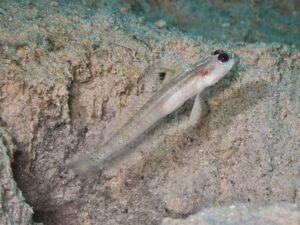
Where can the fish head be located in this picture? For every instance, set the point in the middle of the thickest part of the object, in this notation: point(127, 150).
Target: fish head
point(219, 64)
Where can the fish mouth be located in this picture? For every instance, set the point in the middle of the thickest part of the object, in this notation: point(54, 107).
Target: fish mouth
point(233, 56)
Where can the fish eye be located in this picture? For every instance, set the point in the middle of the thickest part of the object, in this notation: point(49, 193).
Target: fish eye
point(217, 52)
point(223, 57)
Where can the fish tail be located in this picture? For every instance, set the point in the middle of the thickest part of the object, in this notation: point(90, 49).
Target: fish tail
point(84, 167)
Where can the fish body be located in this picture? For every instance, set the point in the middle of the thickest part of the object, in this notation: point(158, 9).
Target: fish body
point(170, 97)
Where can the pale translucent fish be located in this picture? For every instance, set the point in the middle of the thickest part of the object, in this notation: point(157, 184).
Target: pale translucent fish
point(170, 97)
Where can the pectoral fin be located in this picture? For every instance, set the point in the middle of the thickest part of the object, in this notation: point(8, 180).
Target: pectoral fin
point(199, 110)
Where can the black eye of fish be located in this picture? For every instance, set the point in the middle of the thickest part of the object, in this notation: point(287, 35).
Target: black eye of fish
point(217, 52)
point(223, 57)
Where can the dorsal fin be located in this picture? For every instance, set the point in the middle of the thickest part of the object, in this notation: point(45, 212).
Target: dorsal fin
point(153, 79)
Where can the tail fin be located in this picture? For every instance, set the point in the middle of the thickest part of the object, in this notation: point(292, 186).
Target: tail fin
point(85, 167)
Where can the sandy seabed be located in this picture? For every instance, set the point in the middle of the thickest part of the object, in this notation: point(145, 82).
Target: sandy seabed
point(71, 74)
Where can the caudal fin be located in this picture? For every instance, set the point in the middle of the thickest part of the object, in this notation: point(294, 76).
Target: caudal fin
point(85, 167)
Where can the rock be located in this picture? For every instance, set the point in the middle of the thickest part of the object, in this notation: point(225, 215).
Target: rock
point(161, 24)
point(13, 208)
point(243, 214)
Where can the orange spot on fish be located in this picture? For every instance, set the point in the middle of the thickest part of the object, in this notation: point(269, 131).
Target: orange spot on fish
point(205, 71)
